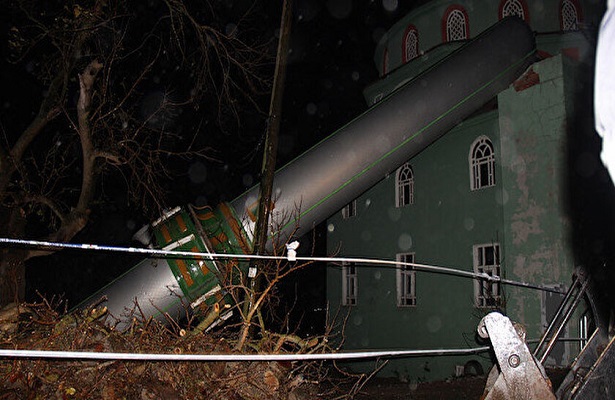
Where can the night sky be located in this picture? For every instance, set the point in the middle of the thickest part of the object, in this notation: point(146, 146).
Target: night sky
point(330, 63)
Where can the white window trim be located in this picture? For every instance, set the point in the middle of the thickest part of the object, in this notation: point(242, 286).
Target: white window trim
point(476, 164)
point(350, 210)
point(584, 328)
point(456, 26)
point(411, 42)
point(513, 7)
point(406, 296)
point(377, 98)
point(400, 198)
point(495, 288)
point(350, 284)
point(570, 16)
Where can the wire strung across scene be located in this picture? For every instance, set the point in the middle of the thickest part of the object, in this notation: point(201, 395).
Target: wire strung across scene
point(352, 355)
point(190, 254)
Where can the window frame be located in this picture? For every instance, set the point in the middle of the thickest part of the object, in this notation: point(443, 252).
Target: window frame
point(477, 179)
point(586, 328)
point(576, 6)
point(406, 296)
point(522, 4)
point(455, 9)
point(350, 284)
point(404, 197)
point(350, 210)
point(482, 286)
point(377, 98)
point(411, 29)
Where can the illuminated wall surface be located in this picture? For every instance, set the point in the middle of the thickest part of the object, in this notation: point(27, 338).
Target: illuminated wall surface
point(524, 211)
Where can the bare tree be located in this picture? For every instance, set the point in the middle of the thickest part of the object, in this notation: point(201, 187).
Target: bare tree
point(116, 80)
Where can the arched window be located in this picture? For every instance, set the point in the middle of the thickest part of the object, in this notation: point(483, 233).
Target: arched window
point(404, 189)
point(482, 164)
point(377, 98)
point(410, 47)
point(569, 15)
point(455, 24)
point(514, 7)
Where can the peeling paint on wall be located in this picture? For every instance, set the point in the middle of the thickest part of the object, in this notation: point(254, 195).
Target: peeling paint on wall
point(526, 223)
point(538, 265)
point(534, 167)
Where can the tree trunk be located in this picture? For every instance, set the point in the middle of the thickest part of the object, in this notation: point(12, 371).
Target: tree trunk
point(12, 265)
point(268, 171)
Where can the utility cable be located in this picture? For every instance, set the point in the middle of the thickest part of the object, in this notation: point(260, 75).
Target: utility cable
point(190, 254)
point(354, 355)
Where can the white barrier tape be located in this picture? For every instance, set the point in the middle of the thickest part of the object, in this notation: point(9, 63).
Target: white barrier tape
point(371, 261)
point(236, 357)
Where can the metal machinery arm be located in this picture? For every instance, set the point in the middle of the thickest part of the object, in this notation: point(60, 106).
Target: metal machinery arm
point(319, 182)
point(517, 375)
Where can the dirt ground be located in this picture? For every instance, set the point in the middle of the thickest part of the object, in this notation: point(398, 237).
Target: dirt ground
point(453, 389)
point(468, 387)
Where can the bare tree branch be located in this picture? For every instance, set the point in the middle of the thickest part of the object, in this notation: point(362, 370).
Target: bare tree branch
point(126, 90)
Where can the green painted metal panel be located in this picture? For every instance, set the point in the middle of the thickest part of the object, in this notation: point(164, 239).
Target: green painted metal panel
point(195, 275)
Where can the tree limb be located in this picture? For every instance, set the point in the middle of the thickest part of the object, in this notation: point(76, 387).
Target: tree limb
point(86, 81)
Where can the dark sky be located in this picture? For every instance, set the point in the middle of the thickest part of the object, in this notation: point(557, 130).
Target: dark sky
point(330, 63)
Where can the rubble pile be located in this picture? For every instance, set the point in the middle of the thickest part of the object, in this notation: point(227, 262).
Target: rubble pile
point(40, 327)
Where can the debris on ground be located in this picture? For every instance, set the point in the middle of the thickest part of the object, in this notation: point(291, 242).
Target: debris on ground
point(39, 327)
